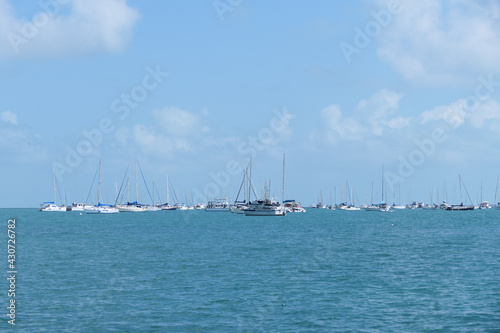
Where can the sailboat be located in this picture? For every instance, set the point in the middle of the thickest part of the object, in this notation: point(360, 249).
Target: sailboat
point(167, 206)
point(100, 208)
point(484, 204)
point(238, 206)
point(461, 206)
point(383, 206)
point(394, 206)
point(154, 207)
point(349, 196)
point(291, 206)
point(371, 207)
point(133, 207)
point(497, 205)
point(265, 206)
point(50, 206)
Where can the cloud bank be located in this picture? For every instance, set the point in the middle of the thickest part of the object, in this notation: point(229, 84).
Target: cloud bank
point(66, 27)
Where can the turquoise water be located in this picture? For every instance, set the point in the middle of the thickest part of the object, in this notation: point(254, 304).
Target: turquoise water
point(322, 271)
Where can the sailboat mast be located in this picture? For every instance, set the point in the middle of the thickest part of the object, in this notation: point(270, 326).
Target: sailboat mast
point(99, 185)
point(250, 181)
point(54, 184)
point(481, 190)
point(372, 194)
point(136, 183)
point(496, 190)
point(283, 190)
point(128, 184)
point(382, 182)
point(460, 184)
point(168, 191)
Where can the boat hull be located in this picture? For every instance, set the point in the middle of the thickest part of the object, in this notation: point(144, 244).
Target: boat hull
point(251, 212)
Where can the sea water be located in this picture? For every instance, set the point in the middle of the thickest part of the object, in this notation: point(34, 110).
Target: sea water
point(194, 271)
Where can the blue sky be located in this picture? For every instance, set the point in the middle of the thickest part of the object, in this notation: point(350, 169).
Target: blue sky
point(191, 89)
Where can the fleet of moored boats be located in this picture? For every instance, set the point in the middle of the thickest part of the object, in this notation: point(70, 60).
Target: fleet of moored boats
point(264, 206)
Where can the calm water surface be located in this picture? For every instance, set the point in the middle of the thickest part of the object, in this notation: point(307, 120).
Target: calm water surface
point(322, 271)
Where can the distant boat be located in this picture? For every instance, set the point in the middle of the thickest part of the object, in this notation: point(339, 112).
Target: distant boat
point(166, 206)
point(218, 205)
point(371, 208)
point(351, 208)
point(484, 205)
point(383, 207)
point(154, 208)
point(238, 206)
point(461, 206)
point(77, 207)
point(50, 206)
point(100, 208)
point(181, 207)
point(132, 207)
point(264, 207)
point(293, 206)
point(497, 206)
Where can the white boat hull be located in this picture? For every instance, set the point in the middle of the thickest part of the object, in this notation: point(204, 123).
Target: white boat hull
point(101, 210)
point(218, 209)
point(264, 212)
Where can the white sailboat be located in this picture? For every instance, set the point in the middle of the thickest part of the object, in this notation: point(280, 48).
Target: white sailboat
point(399, 206)
point(497, 205)
point(291, 206)
point(133, 207)
point(349, 207)
point(100, 208)
point(238, 206)
point(484, 203)
point(265, 206)
point(166, 205)
point(371, 207)
point(383, 206)
point(50, 206)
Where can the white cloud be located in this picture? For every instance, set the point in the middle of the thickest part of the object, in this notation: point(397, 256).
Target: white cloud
point(454, 114)
point(178, 122)
point(443, 41)
point(152, 142)
point(173, 130)
point(90, 26)
point(399, 123)
point(459, 113)
point(371, 118)
point(9, 117)
point(485, 113)
point(344, 127)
